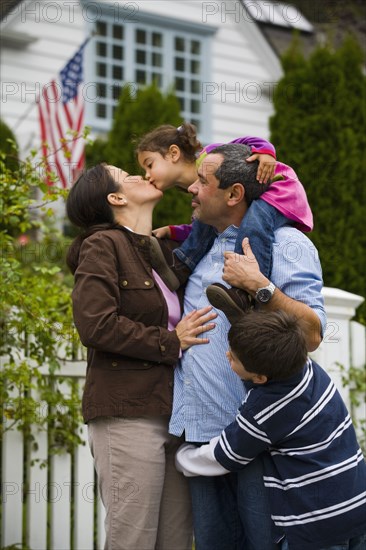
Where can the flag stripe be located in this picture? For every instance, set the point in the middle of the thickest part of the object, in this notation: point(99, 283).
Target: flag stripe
point(61, 110)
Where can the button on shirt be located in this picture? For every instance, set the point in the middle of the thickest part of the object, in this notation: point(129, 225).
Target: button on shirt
point(207, 393)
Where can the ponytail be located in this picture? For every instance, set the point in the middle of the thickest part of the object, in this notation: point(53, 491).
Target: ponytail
point(160, 139)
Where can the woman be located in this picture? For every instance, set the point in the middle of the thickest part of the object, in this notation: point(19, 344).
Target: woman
point(129, 321)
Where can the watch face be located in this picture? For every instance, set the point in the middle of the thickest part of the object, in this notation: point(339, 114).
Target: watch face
point(264, 295)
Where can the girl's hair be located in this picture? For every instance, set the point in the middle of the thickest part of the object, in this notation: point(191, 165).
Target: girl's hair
point(160, 139)
point(87, 207)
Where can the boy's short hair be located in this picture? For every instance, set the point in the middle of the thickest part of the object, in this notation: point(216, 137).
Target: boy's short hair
point(269, 343)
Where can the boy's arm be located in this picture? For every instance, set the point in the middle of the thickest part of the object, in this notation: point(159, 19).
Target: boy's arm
point(237, 446)
point(199, 461)
point(241, 442)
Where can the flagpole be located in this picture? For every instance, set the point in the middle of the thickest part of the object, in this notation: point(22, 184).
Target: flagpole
point(24, 115)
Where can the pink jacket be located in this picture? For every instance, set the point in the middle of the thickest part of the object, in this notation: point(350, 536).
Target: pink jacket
point(287, 195)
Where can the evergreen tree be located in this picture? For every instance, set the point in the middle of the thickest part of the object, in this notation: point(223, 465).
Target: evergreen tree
point(9, 146)
point(319, 130)
point(135, 115)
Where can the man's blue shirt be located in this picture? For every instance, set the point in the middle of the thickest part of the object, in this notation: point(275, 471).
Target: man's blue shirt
point(207, 393)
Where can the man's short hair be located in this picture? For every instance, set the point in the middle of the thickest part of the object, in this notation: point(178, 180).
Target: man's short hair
point(270, 343)
point(235, 169)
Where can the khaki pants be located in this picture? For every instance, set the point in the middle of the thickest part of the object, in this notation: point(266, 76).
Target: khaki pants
point(147, 501)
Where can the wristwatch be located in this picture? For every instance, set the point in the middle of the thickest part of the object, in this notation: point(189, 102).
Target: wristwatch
point(264, 294)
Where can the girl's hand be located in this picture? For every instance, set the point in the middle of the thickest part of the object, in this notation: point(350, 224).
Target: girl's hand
point(266, 168)
point(162, 232)
point(193, 325)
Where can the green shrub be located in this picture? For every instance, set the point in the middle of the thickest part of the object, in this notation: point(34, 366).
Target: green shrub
point(135, 115)
point(319, 129)
point(36, 319)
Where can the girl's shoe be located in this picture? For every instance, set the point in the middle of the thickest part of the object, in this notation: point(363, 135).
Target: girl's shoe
point(234, 302)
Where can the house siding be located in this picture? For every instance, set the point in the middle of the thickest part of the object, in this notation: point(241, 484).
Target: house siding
point(242, 66)
point(58, 33)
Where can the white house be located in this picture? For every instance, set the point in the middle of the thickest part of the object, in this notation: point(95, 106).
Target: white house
point(221, 58)
point(216, 54)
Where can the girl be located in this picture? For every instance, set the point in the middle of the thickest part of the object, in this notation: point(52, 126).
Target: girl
point(169, 157)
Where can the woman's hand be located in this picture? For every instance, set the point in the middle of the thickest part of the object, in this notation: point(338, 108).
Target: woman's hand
point(162, 232)
point(266, 168)
point(192, 326)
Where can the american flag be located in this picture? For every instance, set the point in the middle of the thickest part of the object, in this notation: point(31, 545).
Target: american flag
point(61, 109)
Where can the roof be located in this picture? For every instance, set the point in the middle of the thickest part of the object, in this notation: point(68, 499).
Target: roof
point(315, 22)
point(278, 14)
point(7, 6)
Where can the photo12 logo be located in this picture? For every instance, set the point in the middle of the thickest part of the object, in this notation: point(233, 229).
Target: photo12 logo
point(238, 92)
point(249, 11)
point(67, 11)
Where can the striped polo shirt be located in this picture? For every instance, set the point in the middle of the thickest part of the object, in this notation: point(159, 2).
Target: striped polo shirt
point(314, 469)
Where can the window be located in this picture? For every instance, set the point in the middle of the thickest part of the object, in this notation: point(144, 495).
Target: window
point(139, 53)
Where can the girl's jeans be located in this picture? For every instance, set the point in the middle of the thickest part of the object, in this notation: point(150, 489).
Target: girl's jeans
point(259, 225)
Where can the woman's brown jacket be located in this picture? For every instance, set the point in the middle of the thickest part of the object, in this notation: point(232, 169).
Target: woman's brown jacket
point(122, 318)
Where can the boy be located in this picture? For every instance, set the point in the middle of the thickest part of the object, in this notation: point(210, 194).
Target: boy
point(314, 469)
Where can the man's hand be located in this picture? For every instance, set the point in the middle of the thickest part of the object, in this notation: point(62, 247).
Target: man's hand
point(243, 271)
point(266, 168)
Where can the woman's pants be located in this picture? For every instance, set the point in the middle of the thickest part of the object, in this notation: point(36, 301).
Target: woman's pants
point(147, 501)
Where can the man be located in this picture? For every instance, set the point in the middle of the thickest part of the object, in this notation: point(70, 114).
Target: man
point(232, 512)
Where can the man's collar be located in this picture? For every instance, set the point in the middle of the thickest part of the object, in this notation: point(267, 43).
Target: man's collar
point(230, 231)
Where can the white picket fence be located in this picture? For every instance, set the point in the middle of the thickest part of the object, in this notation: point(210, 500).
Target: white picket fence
point(60, 509)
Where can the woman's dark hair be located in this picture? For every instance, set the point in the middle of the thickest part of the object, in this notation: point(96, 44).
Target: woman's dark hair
point(160, 139)
point(87, 203)
point(270, 343)
point(87, 207)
